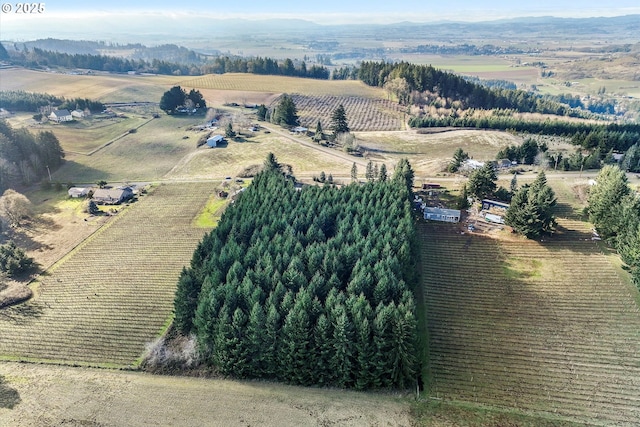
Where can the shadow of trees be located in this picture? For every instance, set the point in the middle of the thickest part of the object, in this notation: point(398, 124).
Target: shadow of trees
point(9, 397)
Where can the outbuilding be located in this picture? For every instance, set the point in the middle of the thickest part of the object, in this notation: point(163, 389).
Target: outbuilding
point(78, 192)
point(214, 141)
point(441, 214)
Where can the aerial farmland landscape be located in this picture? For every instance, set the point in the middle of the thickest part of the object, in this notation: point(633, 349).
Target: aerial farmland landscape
point(363, 214)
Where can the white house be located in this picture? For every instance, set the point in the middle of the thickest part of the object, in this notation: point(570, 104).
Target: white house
point(60, 116)
point(77, 114)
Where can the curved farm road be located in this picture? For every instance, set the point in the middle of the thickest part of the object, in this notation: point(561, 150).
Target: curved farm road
point(48, 395)
point(326, 150)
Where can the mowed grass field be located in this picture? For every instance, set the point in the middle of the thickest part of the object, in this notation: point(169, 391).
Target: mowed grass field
point(549, 327)
point(103, 302)
point(45, 395)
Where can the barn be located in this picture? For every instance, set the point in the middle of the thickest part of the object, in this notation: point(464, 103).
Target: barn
point(441, 214)
point(214, 141)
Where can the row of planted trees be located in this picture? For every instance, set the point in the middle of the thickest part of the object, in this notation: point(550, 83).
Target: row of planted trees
point(614, 209)
point(307, 287)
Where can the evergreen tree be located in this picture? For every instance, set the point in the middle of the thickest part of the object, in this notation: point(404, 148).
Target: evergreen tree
point(186, 300)
point(271, 163)
point(482, 182)
point(463, 200)
point(319, 134)
point(354, 172)
point(383, 173)
point(514, 183)
point(285, 113)
point(628, 236)
point(228, 131)
point(531, 210)
point(339, 122)
point(605, 199)
point(459, 156)
point(172, 99)
point(261, 112)
point(403, 173)
point(369, 172)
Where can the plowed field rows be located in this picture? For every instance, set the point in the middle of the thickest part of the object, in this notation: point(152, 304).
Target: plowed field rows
point(113, 294)
point(363, 114)
point(541, 326)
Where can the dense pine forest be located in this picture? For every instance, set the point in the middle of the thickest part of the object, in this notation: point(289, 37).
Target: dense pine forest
point(25, 158)
point(308, 287)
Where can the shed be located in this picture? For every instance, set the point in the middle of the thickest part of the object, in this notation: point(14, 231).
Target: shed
point(112, 196)
point(77, 192)
point(489, 204)
point(430, 185)
point(78, 114)
point(214, 141)
point(494, 218)
point(299, 129)
point(440, 214)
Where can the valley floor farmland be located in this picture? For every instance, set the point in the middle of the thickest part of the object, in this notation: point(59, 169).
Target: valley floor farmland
point(104, 301)
point(540, 326)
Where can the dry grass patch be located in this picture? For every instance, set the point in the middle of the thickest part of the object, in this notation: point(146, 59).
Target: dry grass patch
point(282, 84)
point(55, 395)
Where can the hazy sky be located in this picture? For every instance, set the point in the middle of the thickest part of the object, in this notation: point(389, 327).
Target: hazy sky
point(326, 11)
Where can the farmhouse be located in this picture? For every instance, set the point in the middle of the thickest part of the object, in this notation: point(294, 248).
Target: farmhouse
point(112, 196)
point(60, 116)
point(214, 141)
point(77, 192)
point(439, 214)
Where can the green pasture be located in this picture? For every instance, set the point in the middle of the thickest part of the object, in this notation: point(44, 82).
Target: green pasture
point(145, 155)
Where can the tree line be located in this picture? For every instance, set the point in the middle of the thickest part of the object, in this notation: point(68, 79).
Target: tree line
point(613, 136)
point(614, 210)
point(218, 65)
point(19, 100)
point(307, 287)
point(26, 158)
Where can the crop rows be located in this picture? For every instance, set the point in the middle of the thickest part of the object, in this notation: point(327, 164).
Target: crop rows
point(113, 294)
point(363, 114)
point(542, 326)
point(282, 84)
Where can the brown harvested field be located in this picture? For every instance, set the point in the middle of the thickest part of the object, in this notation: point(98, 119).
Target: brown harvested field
point(45, 395)
point(549, 327)
point(104, 301)
point(102, 86)
point(363, 114)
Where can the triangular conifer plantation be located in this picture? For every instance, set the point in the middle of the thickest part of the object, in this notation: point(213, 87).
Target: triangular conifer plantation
point(308, 287)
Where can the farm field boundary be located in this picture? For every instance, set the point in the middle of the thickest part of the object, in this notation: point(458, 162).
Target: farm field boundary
point(113, 294)
point(536, 326)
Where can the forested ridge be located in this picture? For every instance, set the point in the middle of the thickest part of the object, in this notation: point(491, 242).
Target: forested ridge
point(307, 287)
point(217, 65)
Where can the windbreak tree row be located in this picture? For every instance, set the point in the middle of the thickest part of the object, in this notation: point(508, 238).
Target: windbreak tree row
point(307, 287)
